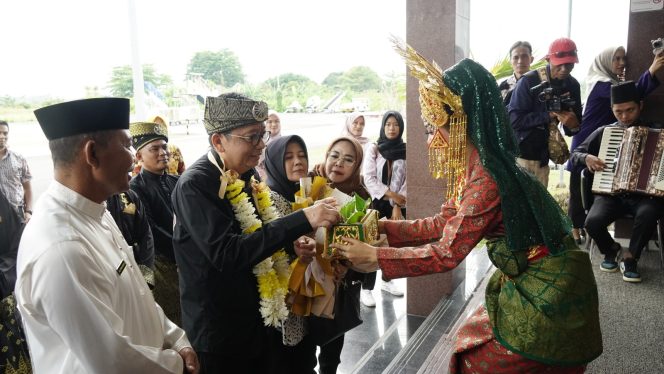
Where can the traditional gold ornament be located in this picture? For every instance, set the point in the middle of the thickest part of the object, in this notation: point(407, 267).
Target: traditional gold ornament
point(441, 108)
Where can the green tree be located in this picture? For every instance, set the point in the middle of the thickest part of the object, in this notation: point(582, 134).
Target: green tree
point(355, 79)
point(221, 67)
point(361, 78)
point(333, 80)
point(288, 79)
point(122, 83)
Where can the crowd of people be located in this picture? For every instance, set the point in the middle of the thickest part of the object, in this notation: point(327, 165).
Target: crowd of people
point(136, 262)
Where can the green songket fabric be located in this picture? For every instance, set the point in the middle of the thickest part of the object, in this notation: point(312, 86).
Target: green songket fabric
point(546, 310)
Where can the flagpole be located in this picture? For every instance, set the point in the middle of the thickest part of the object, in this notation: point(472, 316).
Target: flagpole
point(137, 70)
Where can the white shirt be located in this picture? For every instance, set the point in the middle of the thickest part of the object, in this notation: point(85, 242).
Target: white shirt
point(372, 171)
point(80, 314)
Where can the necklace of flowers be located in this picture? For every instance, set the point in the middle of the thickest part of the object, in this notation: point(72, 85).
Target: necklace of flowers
point(273, 272)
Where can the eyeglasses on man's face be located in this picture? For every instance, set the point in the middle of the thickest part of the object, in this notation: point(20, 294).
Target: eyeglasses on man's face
point(254, 139)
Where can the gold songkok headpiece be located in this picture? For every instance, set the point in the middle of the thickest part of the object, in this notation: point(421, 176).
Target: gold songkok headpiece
point(440, 108)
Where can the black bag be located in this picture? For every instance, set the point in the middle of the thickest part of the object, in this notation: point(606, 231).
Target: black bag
point(346, 315)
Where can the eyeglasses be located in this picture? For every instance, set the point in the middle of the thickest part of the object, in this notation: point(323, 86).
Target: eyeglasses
point(337, 159)
point(255, 138)
point(563, 54)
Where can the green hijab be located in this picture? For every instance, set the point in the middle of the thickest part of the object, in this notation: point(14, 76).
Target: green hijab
point(530, 214)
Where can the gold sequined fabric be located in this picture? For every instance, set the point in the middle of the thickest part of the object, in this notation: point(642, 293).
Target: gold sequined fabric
point(531, 215)
point(14, 356)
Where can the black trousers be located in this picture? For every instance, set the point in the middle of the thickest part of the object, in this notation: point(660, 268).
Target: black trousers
point(275, 359)
point(575, 209)
point(606, 209)
point(329, 357)
point(369, 281)
point(213, 363)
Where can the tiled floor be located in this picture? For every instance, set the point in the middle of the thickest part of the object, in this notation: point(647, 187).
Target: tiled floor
point(378, 344)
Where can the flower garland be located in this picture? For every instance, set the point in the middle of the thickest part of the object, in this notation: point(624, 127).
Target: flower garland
point(273, 272)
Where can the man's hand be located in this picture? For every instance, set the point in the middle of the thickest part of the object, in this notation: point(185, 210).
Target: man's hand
point(191, 365)
point(322, 214)
point(27, 216)
point(594, 163)
point(359, 253)
point(568, 119)
point(305, 248)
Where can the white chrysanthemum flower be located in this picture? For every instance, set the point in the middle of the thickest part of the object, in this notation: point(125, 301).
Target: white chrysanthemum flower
point(273, 309)
point(263, 267)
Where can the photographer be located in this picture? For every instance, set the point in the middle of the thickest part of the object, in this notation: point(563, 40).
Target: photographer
point(536, 102)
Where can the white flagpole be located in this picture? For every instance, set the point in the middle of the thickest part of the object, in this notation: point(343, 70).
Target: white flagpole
point(137, 70)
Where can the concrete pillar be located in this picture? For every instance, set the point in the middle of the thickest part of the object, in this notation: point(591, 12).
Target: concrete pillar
point(643, 27)
point(439, 30)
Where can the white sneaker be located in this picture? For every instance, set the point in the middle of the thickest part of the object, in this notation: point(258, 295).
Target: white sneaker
point(392, 288)
point(367, 298)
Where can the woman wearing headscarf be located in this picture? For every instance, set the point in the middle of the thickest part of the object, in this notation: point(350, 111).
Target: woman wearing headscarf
point(286, 161)
point(607, 69)
point(343, 161)
point(273, 126)
point(384, 172)
point(354, 127)
point(541, 309)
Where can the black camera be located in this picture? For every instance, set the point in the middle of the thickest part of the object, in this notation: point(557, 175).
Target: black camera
point(553, 101)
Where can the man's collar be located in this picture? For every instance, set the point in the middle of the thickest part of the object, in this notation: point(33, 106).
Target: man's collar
point(150, 174)
point(76, 200)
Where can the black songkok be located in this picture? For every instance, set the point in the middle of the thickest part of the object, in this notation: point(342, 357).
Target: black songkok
point(83, 116)
point(624, 92)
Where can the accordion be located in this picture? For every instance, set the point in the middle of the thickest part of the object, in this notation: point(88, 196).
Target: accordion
point(634, 162)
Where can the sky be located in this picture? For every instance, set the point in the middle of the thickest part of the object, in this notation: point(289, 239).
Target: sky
point(58, 47)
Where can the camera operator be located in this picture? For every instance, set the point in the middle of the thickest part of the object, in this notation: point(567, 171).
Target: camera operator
point(536, 102)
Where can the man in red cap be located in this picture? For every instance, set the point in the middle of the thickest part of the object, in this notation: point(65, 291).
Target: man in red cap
point(547, 97)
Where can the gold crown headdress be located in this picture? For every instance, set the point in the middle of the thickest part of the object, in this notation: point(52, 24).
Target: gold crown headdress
point(440, 107)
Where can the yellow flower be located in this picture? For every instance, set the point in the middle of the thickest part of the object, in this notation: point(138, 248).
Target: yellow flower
point(272, 273)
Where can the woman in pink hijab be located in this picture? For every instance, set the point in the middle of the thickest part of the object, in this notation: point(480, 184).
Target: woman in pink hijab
point(354, 128)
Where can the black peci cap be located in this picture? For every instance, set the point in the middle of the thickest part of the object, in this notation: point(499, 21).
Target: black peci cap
point(83, 116)
point(624, 92)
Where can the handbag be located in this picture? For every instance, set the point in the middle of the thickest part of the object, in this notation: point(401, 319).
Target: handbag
point(346, 315)
point(558, 149)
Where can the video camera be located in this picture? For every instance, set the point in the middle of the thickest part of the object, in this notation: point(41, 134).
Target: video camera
point(553, 102)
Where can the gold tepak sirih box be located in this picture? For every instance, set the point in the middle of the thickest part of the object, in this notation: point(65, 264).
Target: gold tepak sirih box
point(366, 230)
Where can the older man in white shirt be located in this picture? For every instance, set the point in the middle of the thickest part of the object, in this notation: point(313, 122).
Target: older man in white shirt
point(85, 305)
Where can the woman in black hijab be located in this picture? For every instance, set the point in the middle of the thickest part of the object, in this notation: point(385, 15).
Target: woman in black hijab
point(384, 168)
point(384, 171)
point(286, 161)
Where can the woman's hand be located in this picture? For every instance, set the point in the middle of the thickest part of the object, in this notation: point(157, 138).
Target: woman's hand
point(396, 213)
point(305, 249)
point(396, 198)
point(657, 64)
point(359, 253)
